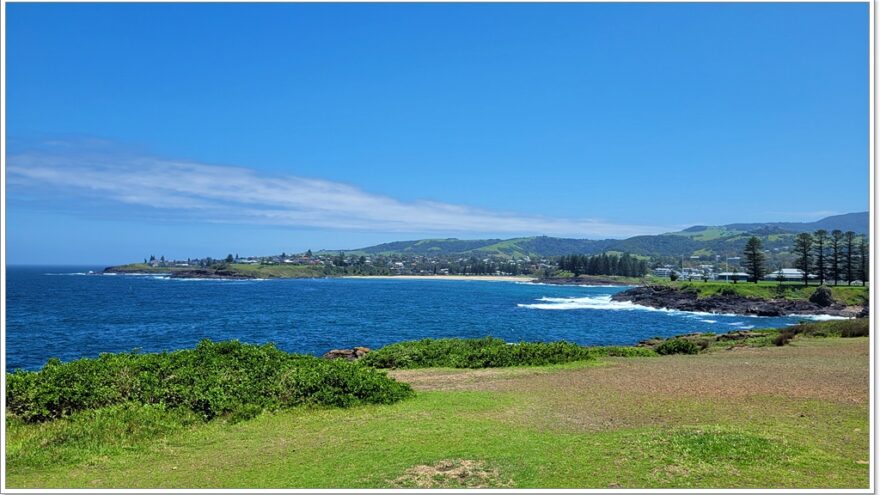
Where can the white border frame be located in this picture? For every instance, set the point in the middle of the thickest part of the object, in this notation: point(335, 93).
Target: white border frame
point(872, 236)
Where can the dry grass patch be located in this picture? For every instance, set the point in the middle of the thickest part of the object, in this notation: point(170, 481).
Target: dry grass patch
point(452, 473)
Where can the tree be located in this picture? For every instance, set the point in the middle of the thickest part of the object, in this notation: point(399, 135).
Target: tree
point(309, 253)
point(849, 245)
point(820, 238)
point(863, 260)
point(754, 259)
point(836, 244)
point(803, 247)
point(229, 258)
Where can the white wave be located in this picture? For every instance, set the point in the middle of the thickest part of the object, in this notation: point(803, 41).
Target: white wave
point(591, 302)
point(709, 321)
point(736, 324)
point(820, 317)
point(74, 273)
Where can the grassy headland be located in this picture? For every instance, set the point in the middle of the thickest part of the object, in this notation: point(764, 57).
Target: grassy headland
point(796, 416)
point(851, 295)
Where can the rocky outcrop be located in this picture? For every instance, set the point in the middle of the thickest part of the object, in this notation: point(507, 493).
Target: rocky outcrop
point(822, 297)
point(210, 273)
point(688, 300)
point(348, 354)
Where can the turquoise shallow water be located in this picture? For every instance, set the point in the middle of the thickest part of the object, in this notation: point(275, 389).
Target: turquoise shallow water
point(63, 312)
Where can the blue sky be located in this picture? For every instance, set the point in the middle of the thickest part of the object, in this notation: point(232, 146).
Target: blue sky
point(203, 129)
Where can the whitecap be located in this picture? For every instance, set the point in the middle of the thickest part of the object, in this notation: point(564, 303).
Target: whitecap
point(821, 317)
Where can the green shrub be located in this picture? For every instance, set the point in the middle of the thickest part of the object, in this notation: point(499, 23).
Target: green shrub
point(622, 351)
point(857, 327)
point(211, 380)
point(677, 346)
point(783, 338)
point(487, 352)
point(727, 291)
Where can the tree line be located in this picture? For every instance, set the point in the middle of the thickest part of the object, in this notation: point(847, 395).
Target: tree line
point(604, 264)
point(832, 257)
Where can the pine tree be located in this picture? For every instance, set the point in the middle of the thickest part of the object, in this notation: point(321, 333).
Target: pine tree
point(849, 239)
point(835, 243)
point(821, 240)
point(864, 260)
point(803, 245)
point(754, 259)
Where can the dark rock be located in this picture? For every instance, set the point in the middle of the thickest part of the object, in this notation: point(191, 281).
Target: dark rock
point(822, 296)
point(349, 354)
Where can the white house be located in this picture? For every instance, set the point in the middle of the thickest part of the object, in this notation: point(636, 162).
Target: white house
point(732, 276)
point(788, 274)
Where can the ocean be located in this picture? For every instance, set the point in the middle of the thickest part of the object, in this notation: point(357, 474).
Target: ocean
point(67, 313)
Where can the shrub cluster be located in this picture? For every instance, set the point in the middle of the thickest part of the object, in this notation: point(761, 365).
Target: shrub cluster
point(858, 327)
point(488, 352)
point(677, 346)
point(783, 338)
point(212, 379)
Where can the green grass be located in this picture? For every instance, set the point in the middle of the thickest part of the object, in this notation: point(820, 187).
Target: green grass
point(256, 271)
point(849, 295)
point(279, 271)
point(373, 446)
point(559, 426)
point(145, 268)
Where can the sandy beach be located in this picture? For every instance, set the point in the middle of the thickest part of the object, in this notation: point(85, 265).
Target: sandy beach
point(484, 278)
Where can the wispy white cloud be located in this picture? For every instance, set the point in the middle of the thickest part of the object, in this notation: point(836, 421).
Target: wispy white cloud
point(241, 195)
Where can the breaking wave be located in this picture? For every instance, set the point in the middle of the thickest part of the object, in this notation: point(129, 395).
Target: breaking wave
point(594, 302)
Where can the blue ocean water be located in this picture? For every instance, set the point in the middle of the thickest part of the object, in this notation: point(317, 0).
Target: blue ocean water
point(66, 313)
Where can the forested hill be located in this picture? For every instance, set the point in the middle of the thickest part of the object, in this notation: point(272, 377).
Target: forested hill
point(698, 240)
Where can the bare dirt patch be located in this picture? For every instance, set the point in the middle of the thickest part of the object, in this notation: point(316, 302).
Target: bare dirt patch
point(451, 473)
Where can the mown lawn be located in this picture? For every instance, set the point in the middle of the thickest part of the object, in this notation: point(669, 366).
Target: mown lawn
point(793, 416)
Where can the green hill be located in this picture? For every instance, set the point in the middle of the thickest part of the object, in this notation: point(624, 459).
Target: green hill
point(700, 240)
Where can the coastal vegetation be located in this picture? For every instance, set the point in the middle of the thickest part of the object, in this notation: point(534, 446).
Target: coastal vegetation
point(767, 290)
point(625, 265)
point(487, 352)
point(214, 379)
point(695, 421)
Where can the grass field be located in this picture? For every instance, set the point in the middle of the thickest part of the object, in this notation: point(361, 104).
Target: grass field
point(793, 416)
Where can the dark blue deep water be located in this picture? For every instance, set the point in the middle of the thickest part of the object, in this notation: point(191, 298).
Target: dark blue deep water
point(62, 312)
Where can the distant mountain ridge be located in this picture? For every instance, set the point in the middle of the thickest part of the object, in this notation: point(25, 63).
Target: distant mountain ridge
point(697, 240)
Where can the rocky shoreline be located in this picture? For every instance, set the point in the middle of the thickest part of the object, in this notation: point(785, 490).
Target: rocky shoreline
point(684, 300)
point(196, 273)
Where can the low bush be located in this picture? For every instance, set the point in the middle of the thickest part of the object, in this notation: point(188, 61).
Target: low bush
point(622, 351)
point(783, 338)
point(857, 327)
point(487, 352)
point(211, 380)
point(677, 346)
